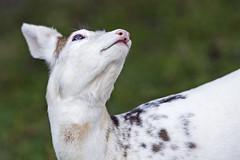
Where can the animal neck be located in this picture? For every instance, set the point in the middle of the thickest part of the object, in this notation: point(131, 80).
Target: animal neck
point(79, 124)
point(78, 117)
point(78, 129)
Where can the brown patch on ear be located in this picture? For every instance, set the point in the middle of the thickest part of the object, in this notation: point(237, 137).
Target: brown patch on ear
point(75, 133)
point(60, 44)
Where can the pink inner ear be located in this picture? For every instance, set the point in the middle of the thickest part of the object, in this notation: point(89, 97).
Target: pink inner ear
point(60, 44)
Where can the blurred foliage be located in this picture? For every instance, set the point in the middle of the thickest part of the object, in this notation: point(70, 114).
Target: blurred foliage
point(177, 45)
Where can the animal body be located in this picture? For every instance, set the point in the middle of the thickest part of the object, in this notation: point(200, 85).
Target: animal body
point(199, 124)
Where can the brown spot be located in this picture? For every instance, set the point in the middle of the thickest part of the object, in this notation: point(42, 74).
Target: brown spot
point(164, 135)
point(191, 145)
point(125, 147)
point(105, 125)
point(107, 134)
point(60, 44)
point(143, 145)
point(157, 147)
point(75, 132)
point(125, 154)
point(129, 135)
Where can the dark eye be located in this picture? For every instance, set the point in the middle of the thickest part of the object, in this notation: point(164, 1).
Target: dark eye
point(78, 37)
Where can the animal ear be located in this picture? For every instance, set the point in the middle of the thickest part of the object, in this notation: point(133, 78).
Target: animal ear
point(41, 41)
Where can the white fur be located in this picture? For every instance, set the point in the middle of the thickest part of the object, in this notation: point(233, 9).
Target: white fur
point(201, 124)
point(41, 41)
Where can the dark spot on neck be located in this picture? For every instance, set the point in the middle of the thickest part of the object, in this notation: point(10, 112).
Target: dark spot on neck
point(125, 147)
point(143, 145)
point(134, 116)
point(125, 154)
point(164, 100)
point(164, 135)
point(115, 120)
point(191, 145)
point(172, 98)
point(157, 147)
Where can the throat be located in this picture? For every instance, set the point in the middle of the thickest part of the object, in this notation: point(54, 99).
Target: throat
point(99, 89)
point(76, 129)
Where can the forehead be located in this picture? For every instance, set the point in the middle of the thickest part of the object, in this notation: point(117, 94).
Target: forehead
point(87, 32)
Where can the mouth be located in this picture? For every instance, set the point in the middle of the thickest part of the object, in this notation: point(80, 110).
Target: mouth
point(117, 42)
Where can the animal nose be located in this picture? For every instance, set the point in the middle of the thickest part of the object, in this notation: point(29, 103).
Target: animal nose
point(124, 35)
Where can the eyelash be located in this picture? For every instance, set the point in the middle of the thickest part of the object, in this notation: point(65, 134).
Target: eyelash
point(78, 37)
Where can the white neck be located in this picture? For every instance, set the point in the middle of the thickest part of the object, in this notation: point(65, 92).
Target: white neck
point(78, 129)
point(79, 124)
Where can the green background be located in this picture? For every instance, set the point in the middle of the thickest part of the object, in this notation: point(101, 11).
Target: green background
point(177, 45)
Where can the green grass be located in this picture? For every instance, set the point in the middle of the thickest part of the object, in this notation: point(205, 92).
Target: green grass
point(177, 45)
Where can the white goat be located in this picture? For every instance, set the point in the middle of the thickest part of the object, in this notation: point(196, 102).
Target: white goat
point(199, 124)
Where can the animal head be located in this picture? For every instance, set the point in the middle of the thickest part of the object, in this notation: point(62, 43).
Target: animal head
point(85, 64)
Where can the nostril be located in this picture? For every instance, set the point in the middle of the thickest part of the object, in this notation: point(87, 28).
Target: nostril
point(123, 35)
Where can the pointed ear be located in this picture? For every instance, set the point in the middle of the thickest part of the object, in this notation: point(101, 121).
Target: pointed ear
point(41, 41)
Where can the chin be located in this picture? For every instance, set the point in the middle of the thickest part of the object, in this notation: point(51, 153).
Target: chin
point(117, 53)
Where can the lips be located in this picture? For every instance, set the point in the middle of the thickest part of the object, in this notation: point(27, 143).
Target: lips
point(119, 41)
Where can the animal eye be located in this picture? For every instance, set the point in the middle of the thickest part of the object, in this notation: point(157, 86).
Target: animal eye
point(78, 37)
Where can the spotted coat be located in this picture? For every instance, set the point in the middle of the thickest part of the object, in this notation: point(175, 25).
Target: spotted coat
point(146, 132)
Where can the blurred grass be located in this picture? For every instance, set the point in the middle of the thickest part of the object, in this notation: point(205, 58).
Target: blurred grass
point(177, 45)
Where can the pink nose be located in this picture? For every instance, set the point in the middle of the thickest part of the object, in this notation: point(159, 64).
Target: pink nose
point(125, 36)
